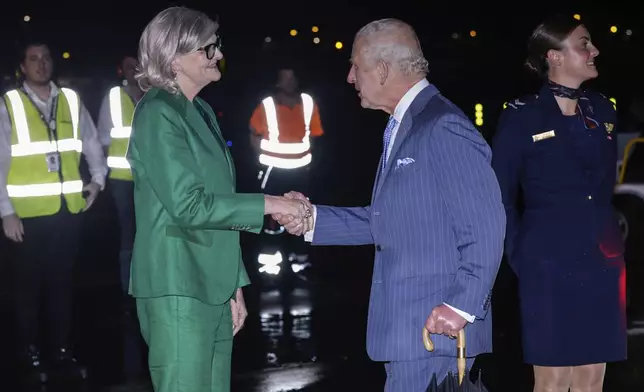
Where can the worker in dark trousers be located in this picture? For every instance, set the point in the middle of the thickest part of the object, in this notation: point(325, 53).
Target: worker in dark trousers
point(283, 129)
point(43, 131)
point(114, 130)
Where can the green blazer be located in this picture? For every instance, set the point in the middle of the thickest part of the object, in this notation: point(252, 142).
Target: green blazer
point(188, 215)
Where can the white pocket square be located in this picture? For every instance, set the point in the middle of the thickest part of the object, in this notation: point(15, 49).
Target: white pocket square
point(404, 162)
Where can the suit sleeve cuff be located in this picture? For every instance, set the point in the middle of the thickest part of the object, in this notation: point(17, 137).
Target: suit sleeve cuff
point(466, 316)
point(308, 236)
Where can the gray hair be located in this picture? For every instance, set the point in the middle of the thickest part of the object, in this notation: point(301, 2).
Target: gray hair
point(383, 43)
point(173, 32)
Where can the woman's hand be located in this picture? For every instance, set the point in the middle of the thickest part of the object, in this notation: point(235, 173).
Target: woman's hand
point(239, 312)
point(293, 208)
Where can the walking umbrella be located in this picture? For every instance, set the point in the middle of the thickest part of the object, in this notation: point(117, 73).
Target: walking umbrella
point(454, 383)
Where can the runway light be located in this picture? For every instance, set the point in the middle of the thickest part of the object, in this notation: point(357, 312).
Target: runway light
point(629, 32)
point(478, 114)
point(293, 32)
point(338, 45)
point(315, 29)
point(505, 105)
point(270, 263)
point(66, 55)
point(229, 143)
point(27, 18)
point(455, 35)
point(268, 39)
point(473, 33)
point(577, 16)
point(316, 40)
point(613, 29)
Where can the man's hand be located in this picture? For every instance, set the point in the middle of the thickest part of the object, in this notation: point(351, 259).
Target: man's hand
point(238, 308)
point(296, 225)
point(92, 190)
point(12, 226)
point(445, 321)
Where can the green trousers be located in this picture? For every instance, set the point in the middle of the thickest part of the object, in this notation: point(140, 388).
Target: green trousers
point(190, 343)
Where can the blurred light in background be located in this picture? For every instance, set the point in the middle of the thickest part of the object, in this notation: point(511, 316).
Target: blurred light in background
point(478, 114)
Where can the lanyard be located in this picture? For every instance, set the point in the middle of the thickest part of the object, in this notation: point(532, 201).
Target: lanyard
point(51, 125)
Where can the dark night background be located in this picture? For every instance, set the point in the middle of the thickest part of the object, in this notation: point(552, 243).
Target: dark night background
point(485, 69)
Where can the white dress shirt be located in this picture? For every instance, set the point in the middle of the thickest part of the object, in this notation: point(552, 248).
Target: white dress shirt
point(91, 146)
point(398, 114)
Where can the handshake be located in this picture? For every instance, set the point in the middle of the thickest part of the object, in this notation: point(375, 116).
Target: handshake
point(293, 211)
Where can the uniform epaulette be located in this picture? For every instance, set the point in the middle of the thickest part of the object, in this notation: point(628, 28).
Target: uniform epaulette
point(600, 97)
point(518, 103)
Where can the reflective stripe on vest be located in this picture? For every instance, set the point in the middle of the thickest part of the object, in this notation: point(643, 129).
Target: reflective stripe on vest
point(273, 145)
point(34, 191)
point(121, 111)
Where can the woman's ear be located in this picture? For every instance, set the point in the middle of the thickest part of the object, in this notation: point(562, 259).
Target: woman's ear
point(554, 57)
point(176, 67)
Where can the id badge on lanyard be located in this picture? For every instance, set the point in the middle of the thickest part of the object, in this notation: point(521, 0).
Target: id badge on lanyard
point(51, 158)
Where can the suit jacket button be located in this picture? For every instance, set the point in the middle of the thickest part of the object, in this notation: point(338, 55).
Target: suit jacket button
point(378, 248)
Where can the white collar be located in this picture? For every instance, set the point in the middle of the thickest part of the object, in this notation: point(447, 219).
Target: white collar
point(408, 98)
point(53, 91)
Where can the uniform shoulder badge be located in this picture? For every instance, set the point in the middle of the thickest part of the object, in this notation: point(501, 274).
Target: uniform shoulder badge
point(518, 103)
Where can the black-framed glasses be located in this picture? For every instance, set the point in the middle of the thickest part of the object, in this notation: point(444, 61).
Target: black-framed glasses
point(211, 49)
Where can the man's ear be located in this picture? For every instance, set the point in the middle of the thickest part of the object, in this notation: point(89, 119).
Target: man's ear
point(383, 71)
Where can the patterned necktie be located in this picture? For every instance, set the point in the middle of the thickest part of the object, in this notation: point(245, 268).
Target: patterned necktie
point(391, 124)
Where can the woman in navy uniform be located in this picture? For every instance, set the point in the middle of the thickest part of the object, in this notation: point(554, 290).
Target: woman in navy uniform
point(559, 149)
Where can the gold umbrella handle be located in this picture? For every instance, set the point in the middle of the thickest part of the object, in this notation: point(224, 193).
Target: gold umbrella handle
point(460, 351)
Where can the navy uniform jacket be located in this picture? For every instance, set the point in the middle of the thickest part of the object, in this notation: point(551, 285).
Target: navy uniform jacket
point(567, 211)
point(563, 240)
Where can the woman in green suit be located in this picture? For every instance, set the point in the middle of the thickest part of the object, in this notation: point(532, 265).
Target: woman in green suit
point(187, 271)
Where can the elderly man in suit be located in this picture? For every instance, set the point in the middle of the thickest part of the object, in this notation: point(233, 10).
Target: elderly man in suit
point(436, 217)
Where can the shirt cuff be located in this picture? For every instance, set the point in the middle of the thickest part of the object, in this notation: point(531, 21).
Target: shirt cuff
point(99, 180)
point(466, 316)
point(6, 208)
point(308, 236)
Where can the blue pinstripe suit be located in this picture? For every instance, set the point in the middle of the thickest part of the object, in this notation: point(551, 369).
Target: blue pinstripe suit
point(438, 225)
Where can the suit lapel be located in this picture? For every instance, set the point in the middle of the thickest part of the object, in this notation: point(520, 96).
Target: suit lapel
point(403, 130)
point(405, 127)
point(208, 132)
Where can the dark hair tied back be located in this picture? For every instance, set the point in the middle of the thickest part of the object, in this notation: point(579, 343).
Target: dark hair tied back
point(547, 36)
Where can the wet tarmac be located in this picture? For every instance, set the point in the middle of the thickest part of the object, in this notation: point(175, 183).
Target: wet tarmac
point(305, 332)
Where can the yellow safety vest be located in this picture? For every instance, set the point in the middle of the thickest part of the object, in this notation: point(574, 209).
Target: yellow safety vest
point(122, 111)
point(34, 191)
point(286, 155)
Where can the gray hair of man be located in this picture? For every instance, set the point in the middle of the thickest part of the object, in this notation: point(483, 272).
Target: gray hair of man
point(395, 42)
point(175, 31)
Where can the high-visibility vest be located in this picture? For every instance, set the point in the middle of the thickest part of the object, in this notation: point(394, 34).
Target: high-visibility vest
point(33, 190)
point(121, 111)
point(286, 155)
